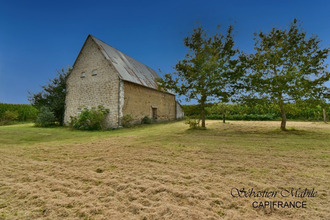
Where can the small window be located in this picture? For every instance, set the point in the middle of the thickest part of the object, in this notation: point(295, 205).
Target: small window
point(83, 75)
point(94, 73)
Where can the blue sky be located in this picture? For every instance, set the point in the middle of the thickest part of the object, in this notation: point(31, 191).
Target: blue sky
point(39, 37)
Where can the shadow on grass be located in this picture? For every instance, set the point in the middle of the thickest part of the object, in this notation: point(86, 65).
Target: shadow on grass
point(291, 131)
point(246, 131)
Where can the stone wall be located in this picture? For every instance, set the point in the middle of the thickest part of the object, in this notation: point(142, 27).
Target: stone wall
point(92, 90)
point(139, 101)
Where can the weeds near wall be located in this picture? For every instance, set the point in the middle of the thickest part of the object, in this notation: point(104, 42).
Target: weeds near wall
point(146, 120)
point(126, 121)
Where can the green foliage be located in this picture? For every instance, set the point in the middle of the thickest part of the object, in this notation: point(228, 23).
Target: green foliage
point(262, 112)
point(126, 121)
point(25, 112)
point(11, 116)
point(46, 118)
point(218, 108)
point(194, 109)
point(146, 120)
point(245, 117)
point(90, 119)
point(208, 71)
point(194, 123)
point(53, 95)
point(8, 117)
point(286, 67)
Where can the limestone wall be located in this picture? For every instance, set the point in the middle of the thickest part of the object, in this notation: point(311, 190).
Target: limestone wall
point(139, 101)
point(92, 90)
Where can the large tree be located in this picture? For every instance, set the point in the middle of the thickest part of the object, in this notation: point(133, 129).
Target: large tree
point(288, 66)
point(208, 69)
point(52, 95)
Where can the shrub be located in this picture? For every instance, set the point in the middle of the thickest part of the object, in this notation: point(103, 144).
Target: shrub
point(90, 119)
point(45, 117)
point(126, 121)
point(194, 123)
point(146, 120)
point(8, 117)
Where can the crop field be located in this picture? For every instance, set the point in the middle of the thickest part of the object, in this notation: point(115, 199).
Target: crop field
point(164, 171)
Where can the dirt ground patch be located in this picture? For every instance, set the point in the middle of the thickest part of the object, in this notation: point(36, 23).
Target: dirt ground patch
point(165, 171)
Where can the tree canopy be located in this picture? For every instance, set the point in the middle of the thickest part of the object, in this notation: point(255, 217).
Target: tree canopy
point(288, 66)
point(52, 95)
point(208, 69)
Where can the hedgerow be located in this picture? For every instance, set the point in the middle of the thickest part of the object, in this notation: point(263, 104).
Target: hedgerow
point(260, 112)
point(25, 112)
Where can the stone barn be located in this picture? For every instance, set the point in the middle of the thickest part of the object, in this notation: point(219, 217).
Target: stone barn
point(102, 75)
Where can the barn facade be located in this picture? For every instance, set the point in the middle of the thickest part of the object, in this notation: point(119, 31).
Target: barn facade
point(102, 75)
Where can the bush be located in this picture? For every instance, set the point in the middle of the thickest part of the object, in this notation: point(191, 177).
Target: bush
point(45, 117)
point(8, 117)
point(193, 123)
point(90, 119)
point(146, 120)
point(126, 121)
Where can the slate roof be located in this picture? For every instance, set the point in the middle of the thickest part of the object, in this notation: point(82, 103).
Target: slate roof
point(128, 68)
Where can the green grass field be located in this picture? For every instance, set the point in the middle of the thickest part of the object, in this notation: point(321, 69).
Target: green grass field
point(162, 171)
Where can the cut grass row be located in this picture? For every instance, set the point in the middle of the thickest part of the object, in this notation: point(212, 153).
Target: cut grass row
point(160, 171)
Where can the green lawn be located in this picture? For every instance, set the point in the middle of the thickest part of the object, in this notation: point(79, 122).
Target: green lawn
point(162, 171)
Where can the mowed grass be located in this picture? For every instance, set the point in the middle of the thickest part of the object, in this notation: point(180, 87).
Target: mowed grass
point(162, 171)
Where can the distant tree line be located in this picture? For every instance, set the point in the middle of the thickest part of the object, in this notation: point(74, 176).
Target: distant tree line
point(10, 113)
point(258, 112)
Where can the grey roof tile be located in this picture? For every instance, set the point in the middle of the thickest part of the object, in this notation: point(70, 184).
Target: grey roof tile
point(128, 68)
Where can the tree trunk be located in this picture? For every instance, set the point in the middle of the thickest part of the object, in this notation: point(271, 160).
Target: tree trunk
point(324, 116)
point(223, 117)
point(283, 115)
point(203, 111)
point(203, 116)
